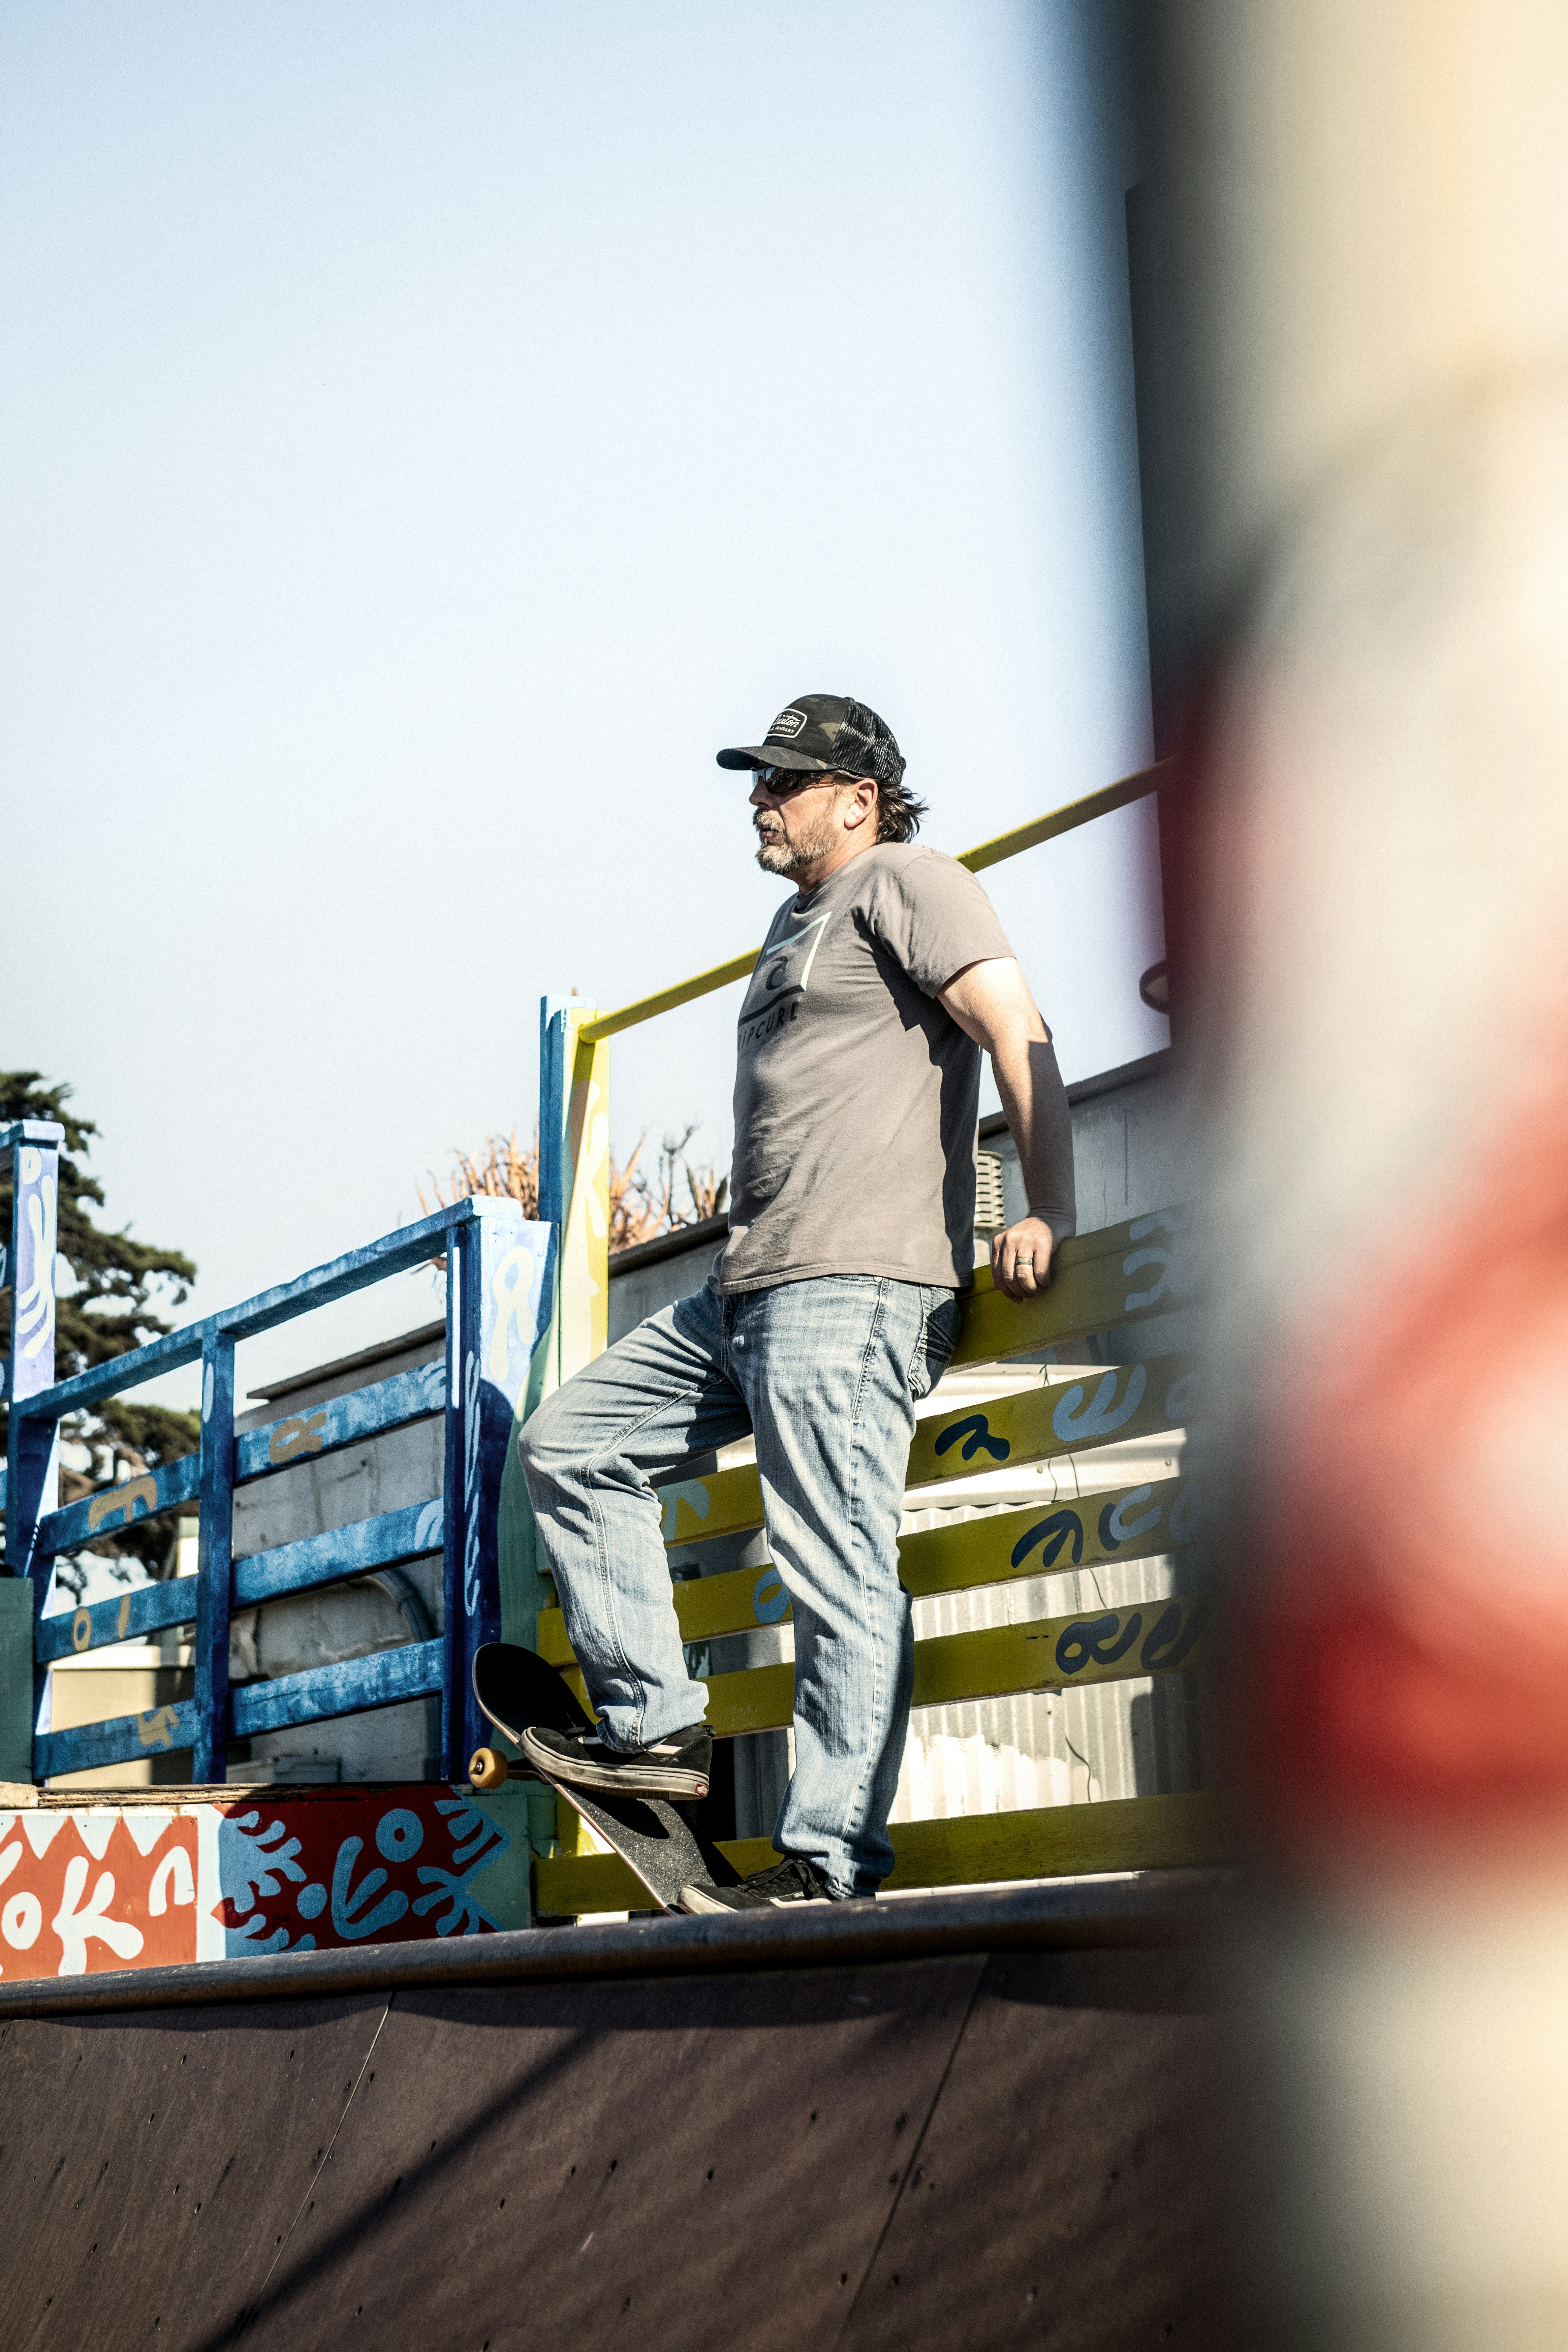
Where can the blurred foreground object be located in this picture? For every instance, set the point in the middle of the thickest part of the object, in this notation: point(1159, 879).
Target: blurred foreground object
point(1356, 229)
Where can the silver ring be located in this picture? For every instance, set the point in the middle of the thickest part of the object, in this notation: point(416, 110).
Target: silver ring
point(1020, 1259)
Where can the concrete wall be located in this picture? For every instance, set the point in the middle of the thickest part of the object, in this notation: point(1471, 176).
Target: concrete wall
point(657, 1274)
point(1131, 1148)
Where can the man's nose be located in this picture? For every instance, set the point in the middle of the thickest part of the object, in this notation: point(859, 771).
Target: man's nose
point(760, 796)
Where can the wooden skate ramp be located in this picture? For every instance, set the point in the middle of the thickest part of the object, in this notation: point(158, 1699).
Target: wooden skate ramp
point(813, 2135)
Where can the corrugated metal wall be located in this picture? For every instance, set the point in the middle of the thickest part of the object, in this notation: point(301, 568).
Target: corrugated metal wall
point(1051, 1748)
point(1107, 1740)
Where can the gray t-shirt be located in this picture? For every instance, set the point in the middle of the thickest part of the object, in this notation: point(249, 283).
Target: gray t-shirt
point(855, 1094)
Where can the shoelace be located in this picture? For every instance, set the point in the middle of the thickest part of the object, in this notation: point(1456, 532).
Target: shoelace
point(662, 1751)
point(791, 1875)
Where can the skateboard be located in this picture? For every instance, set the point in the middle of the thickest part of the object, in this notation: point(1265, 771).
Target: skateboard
point(654, 1837)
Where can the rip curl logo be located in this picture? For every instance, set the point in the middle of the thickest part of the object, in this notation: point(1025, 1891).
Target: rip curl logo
point(780, 980)
point(788, 724)
point(769, 1026)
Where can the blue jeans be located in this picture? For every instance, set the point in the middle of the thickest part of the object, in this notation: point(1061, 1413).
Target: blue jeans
point(826, 1373)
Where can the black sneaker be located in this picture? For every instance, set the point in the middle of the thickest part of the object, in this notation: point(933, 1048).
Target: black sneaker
point(679, 1766)
point(793, 1880)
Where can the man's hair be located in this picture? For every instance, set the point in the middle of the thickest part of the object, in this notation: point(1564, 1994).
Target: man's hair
point(898, 811)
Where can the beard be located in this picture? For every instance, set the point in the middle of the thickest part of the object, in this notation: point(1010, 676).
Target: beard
point(786, 858)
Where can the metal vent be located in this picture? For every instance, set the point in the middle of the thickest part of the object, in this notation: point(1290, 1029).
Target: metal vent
point(990, 1216)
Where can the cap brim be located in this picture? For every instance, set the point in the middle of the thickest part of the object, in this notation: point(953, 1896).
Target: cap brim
point(769, 755)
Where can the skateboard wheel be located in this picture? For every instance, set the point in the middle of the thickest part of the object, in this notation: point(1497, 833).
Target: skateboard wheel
point(487, 1768)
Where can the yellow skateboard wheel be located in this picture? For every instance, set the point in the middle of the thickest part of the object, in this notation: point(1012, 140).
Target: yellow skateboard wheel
point(488, 1767)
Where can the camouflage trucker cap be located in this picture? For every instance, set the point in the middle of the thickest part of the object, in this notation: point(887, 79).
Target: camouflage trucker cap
point(822, 732)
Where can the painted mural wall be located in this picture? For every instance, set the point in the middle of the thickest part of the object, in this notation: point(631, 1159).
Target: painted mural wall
point(88, 1888)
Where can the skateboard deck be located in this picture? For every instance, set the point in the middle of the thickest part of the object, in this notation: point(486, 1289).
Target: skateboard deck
point(654, 1837)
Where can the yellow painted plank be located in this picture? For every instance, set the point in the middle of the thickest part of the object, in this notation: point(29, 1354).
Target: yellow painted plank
point(1107, 1406)
point(1121, 1523)
point(1065, 819)
point(1090, 1645)
point(551, 1641)
point(756, 1698)
point(595, 1883)
point(705, 1607)
point(1098, 1282)
point(572, 1836)
point(1064, 1841)
point(564, 1884)
point(736, 1603)
point(1087, 1645)
point(1072, 813)
point(1050, 1841)
point(1104, 1408)
point(719, 1504)
point(664, 1000)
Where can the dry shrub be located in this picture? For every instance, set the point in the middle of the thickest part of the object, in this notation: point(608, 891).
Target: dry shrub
point(642, 1204)
point(498, 1169)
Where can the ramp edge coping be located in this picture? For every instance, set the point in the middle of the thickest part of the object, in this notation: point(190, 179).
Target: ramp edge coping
point(1160, 1908)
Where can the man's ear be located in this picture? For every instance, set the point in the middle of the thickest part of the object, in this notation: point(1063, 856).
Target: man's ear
point(864, 799)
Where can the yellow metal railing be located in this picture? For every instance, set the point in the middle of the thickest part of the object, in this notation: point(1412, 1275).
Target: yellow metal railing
point(1067, 819)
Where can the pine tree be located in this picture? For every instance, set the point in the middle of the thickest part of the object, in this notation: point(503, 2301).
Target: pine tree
point(110, 1308)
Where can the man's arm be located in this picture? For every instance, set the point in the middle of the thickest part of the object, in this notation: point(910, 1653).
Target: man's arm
point(991, 1003)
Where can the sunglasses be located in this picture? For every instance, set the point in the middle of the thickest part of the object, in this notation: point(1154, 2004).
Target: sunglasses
point(783, 782)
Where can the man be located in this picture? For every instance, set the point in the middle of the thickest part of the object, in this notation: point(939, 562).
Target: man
point(830, 1312)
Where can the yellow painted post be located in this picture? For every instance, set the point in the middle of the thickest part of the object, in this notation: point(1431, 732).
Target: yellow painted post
point(584, 1281)
point(573, 1196)
point(574, 1190)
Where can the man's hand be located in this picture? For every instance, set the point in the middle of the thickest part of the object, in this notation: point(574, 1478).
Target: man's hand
point(1021, 1257)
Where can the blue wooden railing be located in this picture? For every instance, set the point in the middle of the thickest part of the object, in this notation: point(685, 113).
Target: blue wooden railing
point(500, 1305)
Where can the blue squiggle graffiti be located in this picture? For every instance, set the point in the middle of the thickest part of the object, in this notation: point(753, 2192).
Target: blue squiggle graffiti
point(1053, 1533)
point(975, 1430)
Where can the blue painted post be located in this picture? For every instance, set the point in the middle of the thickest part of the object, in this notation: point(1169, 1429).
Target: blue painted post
point(32, 1466)
point(214, 1558)
point(554, 1150)
point(497, 1305)
point(32, 1473)
point(453, 1689)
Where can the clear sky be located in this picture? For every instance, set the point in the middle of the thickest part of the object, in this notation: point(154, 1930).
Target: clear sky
point(428, 433)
